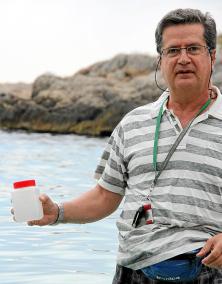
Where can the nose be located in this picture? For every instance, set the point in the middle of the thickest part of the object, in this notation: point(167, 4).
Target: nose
point(183, 57)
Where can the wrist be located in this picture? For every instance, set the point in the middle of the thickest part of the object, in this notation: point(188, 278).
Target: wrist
point(60, 215)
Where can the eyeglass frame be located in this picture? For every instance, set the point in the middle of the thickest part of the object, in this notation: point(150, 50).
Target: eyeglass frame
point(179, 49)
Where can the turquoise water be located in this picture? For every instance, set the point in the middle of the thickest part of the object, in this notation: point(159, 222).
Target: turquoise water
point(63, 167)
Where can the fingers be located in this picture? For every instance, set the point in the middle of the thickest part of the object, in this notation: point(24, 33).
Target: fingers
point(212, 252)
point(13, 213)
point(214, 259)
point(42, 222)
point(31, 223)
point(35, 223)
point(206, 248)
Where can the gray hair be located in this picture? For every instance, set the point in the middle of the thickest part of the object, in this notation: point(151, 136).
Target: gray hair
point(188, 16)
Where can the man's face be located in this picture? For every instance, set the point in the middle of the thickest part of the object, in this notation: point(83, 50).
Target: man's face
point(186, 71)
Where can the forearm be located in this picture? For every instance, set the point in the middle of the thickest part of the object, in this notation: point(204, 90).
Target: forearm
point(91, 206)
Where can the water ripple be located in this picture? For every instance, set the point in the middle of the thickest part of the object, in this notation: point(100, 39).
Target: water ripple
point(62, 254)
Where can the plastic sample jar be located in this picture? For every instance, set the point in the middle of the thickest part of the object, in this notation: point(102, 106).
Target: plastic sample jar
point(25, 201)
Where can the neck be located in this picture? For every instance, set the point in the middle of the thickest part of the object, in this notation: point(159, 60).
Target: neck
point(186, 107)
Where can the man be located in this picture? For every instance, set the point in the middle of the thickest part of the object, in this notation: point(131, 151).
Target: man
point(172, 208)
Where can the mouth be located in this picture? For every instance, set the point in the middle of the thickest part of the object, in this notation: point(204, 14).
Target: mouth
point(184, 72)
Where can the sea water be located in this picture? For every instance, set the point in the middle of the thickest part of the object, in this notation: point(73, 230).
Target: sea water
point(63, 167)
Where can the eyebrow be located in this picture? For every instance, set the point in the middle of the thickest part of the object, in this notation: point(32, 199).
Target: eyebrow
point(190, 44)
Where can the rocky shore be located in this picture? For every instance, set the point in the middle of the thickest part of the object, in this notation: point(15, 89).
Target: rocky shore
point(91, 102)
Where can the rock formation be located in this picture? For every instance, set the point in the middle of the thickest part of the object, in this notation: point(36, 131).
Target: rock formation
point(90, 102)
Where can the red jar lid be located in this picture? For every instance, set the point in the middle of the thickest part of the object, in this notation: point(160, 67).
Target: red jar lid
point(24, 183)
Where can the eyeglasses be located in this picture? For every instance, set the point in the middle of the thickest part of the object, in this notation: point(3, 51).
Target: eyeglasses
point(190, 50)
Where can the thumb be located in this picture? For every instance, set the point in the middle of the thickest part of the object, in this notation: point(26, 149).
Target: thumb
point(45, 199)
point(206, 248)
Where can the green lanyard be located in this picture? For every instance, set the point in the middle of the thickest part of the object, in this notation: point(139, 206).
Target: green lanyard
point(157, 130)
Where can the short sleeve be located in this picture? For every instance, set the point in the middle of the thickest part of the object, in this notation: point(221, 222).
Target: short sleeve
point(111, 170)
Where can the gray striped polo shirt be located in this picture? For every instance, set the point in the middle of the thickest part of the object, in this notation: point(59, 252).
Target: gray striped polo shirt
point(186, 201)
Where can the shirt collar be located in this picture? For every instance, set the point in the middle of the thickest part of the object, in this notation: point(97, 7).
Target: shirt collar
point(215, 110)
point(157, 104)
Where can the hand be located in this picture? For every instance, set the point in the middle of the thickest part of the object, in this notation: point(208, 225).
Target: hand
point(50, 211)
point(212, 251)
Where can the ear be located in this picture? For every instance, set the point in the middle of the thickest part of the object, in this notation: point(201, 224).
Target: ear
point(213, 56)
point(159, 62)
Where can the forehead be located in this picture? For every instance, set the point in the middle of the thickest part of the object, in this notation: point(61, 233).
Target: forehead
point(183, 34)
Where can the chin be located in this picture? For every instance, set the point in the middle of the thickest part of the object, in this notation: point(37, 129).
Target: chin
point(188, 83)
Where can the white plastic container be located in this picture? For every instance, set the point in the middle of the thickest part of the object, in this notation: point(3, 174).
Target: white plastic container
point(25, 201)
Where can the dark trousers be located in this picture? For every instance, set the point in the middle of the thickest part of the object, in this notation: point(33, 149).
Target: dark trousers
point(126, 275)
